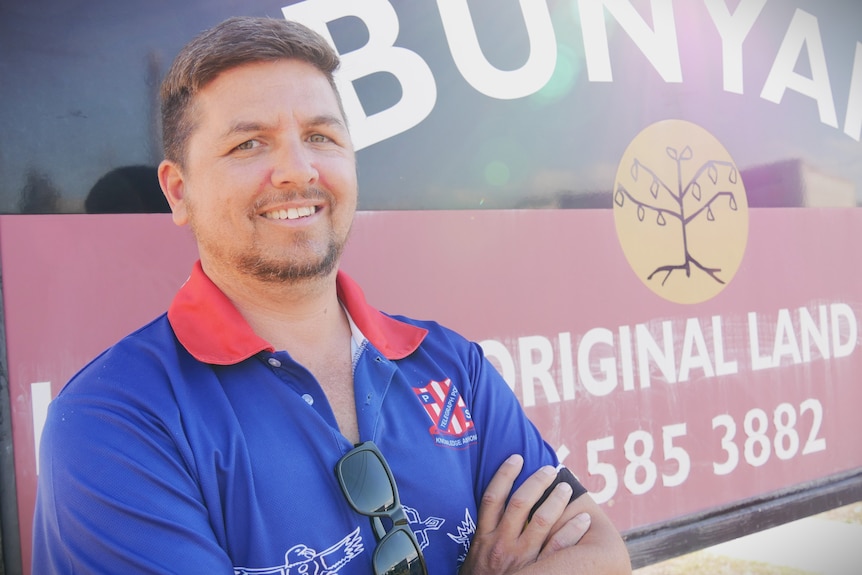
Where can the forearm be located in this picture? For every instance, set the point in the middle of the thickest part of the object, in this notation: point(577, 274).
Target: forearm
point(563, 536)
point(601, 551)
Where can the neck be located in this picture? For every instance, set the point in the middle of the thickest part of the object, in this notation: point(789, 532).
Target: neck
point(295, 316)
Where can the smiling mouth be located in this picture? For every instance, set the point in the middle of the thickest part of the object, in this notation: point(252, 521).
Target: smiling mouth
point(291, 213)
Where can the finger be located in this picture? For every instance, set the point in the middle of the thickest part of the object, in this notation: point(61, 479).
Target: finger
point(548, 516)
point(569, 534)
point(551, 510)
point(523, 499)
point(493, 503)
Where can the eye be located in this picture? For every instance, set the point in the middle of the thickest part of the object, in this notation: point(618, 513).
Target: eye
point(248, 145)
point(319, 139)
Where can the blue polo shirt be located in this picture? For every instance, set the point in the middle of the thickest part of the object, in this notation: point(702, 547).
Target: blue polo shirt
point(193, 446)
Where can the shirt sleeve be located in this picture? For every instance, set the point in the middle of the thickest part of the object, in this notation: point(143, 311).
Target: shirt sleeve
point(505, 429)
point(115, 495)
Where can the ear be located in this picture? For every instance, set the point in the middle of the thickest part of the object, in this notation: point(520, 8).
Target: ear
point(173, 186)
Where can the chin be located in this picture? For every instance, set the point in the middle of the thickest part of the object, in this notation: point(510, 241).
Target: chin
point(282, 270)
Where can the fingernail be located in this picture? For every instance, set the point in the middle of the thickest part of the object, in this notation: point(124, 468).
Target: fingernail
point(514, 459)
point(548, 470)
point(583, 519)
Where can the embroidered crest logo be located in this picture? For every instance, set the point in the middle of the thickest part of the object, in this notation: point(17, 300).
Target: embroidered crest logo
point(452, 424)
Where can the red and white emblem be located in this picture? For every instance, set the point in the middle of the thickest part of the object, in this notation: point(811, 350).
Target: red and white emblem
point(446, 408)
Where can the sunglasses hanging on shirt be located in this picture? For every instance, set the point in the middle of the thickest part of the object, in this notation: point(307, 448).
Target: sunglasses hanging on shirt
point(369, 487)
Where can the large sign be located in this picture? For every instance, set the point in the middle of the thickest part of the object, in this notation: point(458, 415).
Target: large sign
point(661, 409)
point(452, 104)
point(690, 345)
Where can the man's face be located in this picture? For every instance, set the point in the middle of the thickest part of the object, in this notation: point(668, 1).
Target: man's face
point(268, 184)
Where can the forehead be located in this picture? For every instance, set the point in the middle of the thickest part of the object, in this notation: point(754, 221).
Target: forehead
point(274, 88)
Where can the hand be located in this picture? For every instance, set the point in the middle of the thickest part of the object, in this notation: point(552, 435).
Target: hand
point(504, 541)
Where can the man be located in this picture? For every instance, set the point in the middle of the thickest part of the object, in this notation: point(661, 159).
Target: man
point(220, 438)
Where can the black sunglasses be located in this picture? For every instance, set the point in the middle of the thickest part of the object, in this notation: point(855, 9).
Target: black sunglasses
point(369, 487)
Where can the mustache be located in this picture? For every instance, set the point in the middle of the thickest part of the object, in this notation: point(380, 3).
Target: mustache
point(309, 193)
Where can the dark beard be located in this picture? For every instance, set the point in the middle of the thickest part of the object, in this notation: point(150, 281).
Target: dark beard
point(280, 271)
point(274, 271)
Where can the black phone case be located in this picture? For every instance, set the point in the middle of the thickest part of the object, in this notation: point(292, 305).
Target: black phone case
point(563, 475)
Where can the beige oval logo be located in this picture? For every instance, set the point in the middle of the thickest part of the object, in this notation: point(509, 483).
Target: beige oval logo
point(681, 211)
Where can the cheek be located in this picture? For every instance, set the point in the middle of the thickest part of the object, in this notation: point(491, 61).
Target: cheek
point(236, 188)
point(249, 177)
point(341, 182)
point(212, 204)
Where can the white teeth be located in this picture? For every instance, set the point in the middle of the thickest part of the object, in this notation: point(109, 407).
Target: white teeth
point(291, 213)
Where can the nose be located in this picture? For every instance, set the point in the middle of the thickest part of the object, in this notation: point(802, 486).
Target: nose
point(294, 164)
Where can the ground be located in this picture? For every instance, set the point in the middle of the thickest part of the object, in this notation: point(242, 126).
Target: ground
point(706, 563)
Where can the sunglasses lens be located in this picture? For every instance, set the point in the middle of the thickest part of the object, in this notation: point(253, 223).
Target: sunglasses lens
point(366, 482)
point(397, 555)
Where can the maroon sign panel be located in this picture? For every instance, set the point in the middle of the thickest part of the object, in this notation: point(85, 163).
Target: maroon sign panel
point(662, 409)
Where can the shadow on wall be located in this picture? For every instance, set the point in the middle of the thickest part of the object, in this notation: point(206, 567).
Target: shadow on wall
point(39, 194)
point(127, 190)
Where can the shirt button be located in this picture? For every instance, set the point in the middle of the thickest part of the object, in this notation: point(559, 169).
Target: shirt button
point(308, 399)
point(274, 362)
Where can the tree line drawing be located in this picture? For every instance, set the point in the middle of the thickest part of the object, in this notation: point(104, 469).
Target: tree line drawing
point(642, 173)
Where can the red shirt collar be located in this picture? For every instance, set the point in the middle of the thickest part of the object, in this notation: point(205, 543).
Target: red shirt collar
point(213, 331)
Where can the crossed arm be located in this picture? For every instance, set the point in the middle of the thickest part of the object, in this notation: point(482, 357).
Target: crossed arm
point(561, 537)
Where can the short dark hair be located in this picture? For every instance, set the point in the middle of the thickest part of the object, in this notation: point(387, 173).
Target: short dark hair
point(235, 42)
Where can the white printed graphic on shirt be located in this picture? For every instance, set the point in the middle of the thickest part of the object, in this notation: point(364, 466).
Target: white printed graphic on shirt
point(421, 527)
point(303, 560)
point(464, 535)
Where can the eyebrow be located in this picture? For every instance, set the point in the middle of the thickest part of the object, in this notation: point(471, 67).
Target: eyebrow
point(245, 127)
point(328, 120)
